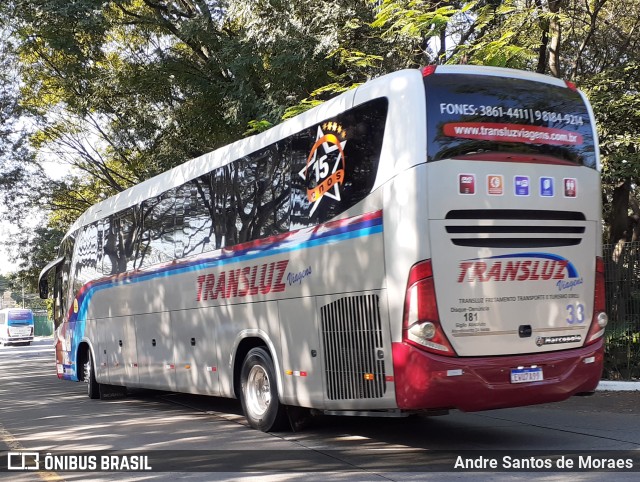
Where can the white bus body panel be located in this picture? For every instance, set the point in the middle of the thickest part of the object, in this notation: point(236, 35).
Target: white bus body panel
point(550, 289)
point(404, 196)
point(166, 315)
point(174, 339)
point(177, 326)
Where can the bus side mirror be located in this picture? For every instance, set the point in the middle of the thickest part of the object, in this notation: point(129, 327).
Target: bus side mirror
point(43, 288)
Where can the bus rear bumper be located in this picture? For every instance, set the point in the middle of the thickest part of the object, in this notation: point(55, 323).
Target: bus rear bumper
point(17, 340)
point(427, 381)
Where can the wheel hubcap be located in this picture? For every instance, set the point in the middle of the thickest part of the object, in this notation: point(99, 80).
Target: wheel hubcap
point(258, 391)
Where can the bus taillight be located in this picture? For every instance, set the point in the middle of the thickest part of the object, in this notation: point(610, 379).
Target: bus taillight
point(421, 321)
point(600, 318)
point(428, 70)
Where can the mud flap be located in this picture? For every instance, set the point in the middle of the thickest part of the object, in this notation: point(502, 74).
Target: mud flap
point(110, 392)
point(299, 417)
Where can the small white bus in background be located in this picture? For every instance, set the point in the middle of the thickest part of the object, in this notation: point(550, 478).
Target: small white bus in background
point(16, 326)
point(425, 242)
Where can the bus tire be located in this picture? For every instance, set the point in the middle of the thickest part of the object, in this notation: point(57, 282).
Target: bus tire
point(259, 392)
point(93, 387)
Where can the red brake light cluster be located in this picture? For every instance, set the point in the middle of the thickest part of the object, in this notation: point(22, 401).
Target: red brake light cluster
point(600, 319)
point(428, 70)
point(422, 326)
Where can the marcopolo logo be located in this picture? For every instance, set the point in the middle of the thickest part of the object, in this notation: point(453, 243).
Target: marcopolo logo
point(516, 267)
point(557, 340)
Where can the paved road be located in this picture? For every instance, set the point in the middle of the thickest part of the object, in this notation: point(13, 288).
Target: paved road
point(179, 432)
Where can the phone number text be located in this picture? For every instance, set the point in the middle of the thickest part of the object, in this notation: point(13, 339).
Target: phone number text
point(531, 115)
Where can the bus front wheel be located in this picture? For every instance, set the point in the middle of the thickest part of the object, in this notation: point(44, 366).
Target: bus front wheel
point(259, 392)
point(93, 387)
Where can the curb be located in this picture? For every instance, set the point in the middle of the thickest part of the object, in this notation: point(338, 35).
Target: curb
point(611, 386)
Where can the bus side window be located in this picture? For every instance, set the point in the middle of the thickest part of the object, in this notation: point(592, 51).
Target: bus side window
point(158, 234)
point(108, 247)
point(58, 308)
point(84, 267)
point(263, 206)
point(334, 164)
point(226, 221)
point(122, 241)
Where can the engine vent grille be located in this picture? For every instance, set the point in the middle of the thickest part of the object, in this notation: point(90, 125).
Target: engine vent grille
point(353, 348)
point(515, 228)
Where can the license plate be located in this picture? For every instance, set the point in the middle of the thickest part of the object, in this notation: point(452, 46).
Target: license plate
point(524, 375)
point(22, 331)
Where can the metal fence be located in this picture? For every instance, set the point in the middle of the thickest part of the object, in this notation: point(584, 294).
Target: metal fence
point(622, 279)
point(43, 325)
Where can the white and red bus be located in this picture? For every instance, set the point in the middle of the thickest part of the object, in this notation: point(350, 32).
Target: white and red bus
point(428, 241)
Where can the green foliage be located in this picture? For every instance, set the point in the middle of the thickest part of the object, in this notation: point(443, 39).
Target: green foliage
point(4, 284)
point(18, 171)
point(313, 50)
point(615, 96)
point(622, 355)
point(255, 127)
point(32, 252)
point(415, 18)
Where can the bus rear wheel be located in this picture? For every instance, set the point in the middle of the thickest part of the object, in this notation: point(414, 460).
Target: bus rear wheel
point(259, 392)
point(93, 387)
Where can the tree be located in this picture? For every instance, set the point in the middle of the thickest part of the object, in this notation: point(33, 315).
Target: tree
point(18, 171)
point(563, 38)
point(122, 90)
point(4, 284)
point(615, 95)
point(33, 251)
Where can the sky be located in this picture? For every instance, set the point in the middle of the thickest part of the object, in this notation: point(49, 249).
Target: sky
point(6, 262)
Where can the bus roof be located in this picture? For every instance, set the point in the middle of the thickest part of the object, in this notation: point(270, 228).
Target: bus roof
point(499, 72)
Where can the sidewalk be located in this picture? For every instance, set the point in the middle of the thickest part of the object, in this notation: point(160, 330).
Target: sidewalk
point(614, 386)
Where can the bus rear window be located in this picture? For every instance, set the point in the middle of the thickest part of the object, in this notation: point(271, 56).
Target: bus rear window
point(469, 114)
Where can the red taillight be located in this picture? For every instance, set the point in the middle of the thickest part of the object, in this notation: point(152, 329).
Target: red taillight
point(600, 319)
point(421, 320)
point(428, 70)
point(571, 85)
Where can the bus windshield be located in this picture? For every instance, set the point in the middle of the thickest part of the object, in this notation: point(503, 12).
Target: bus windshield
point(472, 114)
